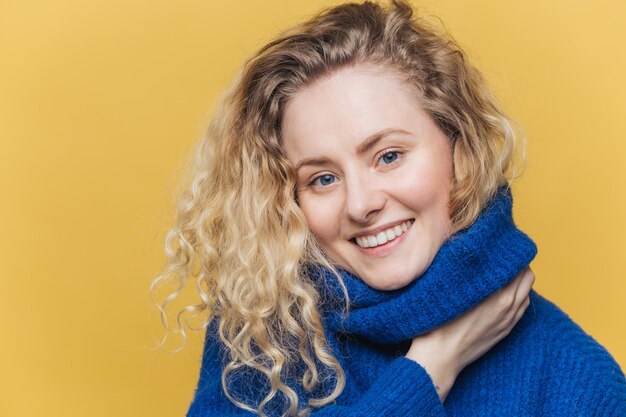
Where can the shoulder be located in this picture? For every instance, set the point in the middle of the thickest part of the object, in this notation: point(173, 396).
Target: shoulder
point(578, 370)
point(566, 341)
point(562, 336)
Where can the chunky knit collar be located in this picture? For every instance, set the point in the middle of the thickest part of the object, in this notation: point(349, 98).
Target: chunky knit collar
point(471, 265)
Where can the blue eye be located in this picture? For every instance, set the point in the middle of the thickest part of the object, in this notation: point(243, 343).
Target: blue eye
point(389, 157)
point(324, 180)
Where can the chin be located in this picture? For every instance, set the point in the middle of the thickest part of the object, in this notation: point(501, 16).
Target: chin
point(390, 283)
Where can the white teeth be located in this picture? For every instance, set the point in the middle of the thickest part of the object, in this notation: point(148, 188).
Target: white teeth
point(384, 236)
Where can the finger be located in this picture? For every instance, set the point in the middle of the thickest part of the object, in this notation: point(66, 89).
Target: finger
point(518, 278)
point(527, 280)
point(514, 284)
point(511, 297)
point(515, 318)
point(507, 296)
point(521, 311)
point(520, 286)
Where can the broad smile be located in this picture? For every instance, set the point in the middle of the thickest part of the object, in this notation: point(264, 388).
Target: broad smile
point(383, 242)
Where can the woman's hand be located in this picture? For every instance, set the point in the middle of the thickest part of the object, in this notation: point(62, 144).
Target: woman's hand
point(446, 350)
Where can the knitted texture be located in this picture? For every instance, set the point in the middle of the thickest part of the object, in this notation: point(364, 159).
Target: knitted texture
point(547, 366)
point(478, 260)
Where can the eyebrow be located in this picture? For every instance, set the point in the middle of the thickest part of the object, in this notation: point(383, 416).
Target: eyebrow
point(366, 145)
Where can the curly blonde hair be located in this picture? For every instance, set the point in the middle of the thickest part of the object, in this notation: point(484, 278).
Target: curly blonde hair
point(239, 232)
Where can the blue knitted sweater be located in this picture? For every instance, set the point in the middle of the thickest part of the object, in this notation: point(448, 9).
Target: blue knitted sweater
point(547, 366)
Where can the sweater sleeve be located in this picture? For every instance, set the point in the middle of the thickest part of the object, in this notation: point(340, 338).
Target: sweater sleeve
point(402, 389)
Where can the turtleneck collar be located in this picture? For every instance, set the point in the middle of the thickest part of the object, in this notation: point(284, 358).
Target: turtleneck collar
point(471, 265)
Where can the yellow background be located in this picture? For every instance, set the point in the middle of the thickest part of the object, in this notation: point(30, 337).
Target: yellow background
point(101, 100)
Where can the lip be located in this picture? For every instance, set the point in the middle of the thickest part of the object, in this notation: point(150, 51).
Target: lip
point(379, 229)
point(388, 247)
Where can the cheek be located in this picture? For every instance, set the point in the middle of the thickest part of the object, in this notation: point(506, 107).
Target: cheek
point(426, 190)
point(321, 218)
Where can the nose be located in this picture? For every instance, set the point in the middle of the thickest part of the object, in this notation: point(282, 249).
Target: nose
point(364, 199)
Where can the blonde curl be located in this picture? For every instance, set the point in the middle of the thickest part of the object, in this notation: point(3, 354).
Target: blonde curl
point(239, 233)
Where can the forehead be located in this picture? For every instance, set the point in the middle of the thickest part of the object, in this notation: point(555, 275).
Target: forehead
point(345, 107)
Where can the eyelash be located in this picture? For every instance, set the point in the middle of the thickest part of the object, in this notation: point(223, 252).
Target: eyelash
point(388, 151)
point(385, 152)
point(313, 180)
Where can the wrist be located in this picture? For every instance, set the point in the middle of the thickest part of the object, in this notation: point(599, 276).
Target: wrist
point(442, 379)
point(441, 369)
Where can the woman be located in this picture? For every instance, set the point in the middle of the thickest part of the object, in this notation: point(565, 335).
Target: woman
point(349, 224)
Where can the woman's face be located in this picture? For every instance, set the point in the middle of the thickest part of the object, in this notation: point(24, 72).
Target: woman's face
point(374, 173)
